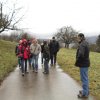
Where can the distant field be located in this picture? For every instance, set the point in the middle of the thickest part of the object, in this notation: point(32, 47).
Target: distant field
point(7, 58)
point(66, 59)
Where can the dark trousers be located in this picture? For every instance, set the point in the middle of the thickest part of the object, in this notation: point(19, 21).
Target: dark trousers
point(19, 61)
point(41, 58)
point(46, 66)
point(30, 60)
point(53, 57)
point(24, 65)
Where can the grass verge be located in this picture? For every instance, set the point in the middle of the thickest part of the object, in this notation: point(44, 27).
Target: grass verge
point(7, 58)
point(66, 59)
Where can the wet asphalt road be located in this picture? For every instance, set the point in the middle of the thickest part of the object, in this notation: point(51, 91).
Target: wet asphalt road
point(37, 86)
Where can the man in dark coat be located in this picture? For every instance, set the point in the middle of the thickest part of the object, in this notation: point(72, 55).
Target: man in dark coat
point(83, 62)
point(54, 48)
point(46, 57)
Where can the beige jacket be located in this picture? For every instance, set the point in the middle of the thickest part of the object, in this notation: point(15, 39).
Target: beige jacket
point(35, 49)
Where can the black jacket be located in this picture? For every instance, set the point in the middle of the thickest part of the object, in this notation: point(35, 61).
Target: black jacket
point(46, 53)
point(82, 55)
point(54, 47)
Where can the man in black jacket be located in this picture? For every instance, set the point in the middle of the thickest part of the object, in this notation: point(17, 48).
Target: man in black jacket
point(46, 57)
point(83, 62)
point(54, 48)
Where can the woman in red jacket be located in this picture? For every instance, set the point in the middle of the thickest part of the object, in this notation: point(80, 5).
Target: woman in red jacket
point(26, 52)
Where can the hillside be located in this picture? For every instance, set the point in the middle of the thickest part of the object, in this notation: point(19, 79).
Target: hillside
point(7, 58)
point(92, 39)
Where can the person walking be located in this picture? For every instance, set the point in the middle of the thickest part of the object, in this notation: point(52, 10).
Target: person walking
point(35, 49)
point(83, 62)
point(46, 57)
point(42, 49)
point(26, 52)
point(18, 52)
point(30, 56)
point(54, 48)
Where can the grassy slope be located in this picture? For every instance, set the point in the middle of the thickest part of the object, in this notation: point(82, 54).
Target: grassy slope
point(7, 58)
point(66, 59)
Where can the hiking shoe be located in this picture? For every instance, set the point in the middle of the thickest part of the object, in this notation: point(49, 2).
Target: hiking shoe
point(45, 72)
point(80, 92)
point(36, 71)
point(23, 74)
point(82, 96)
point(51, 65)
point(26, 72)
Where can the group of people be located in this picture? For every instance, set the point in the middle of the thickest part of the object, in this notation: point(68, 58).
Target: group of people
point(28, 52)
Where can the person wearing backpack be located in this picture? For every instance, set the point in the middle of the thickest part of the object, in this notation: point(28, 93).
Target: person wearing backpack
point(18, 53)
point(54, 48)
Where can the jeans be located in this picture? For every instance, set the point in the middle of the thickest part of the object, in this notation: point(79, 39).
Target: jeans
point(46, 66)
point(84, 79)
point(29, 60)
point(35, 62)
point(19, 61)
point(22, 65)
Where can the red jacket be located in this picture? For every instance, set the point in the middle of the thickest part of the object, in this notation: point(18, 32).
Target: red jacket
point(20, 51)
point(26, 52)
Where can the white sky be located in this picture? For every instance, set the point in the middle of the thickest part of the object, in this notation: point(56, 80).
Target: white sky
point(47, 16)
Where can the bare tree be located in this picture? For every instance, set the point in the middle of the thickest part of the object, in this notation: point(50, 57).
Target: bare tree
point(66, 35)
point(8, 21)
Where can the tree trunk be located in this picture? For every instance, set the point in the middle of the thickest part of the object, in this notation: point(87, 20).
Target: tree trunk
point(67, 46)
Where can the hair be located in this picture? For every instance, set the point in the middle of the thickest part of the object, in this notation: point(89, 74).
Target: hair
point(81, 35)
point(53, 37)
point(45, 42)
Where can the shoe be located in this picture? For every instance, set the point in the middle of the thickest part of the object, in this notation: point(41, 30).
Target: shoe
point(36, 71)
point(54, 64)
point(82, 96)
point(26, 72)
point(23, 74)
point(51, 64)
point(33, 70)
point(45, 73)
point(80, 92)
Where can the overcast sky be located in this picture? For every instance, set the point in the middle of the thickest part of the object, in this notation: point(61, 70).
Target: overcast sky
point(47, 16)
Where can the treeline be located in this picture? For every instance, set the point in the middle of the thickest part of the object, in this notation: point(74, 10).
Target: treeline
point(15, 36)
point(96, 46)
point(67, 35)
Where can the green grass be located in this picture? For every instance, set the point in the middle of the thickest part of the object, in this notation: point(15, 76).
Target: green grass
point(7, 58)
point(66, 59)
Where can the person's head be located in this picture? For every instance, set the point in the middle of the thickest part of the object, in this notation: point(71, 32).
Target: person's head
point(45, 42)
point(29, 42)
point(53, 38)
point(20, 41)
point(24, 42)
point(34, 41)
point(80, 37)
